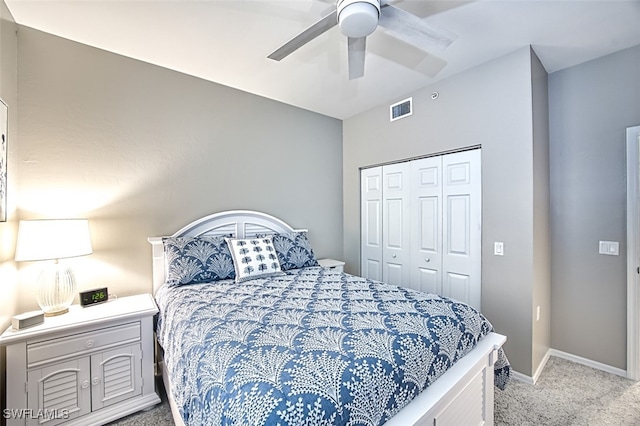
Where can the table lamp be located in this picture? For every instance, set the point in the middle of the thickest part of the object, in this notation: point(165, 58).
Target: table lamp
point(53, 239)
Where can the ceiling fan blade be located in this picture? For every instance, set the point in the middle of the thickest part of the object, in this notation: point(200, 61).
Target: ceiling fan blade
point(423, 9)
point(413, 30)
point(386, 46)
point(324, 24)
point(356, 50)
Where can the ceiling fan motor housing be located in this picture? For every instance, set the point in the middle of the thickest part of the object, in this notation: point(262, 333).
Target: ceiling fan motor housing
point(358, 18)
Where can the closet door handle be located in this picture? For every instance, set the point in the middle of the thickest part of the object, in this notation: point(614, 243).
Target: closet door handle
point(394, 256)
point(427, 260)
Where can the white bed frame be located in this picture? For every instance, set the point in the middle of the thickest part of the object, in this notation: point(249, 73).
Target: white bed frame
point(461, 396)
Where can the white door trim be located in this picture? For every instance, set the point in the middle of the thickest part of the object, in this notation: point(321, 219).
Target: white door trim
point(633, 253)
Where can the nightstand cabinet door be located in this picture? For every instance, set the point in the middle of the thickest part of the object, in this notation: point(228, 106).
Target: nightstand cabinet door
point(59, 392)
point(116, 376)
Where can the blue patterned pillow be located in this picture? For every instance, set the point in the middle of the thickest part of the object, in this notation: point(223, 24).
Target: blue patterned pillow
point(192, 260)
point(254, 257)
point(294, 250)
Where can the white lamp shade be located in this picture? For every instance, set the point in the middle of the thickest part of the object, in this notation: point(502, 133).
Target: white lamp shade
point(49, 239)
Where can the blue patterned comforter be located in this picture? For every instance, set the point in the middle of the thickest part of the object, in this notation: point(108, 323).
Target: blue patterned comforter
point(314, 347)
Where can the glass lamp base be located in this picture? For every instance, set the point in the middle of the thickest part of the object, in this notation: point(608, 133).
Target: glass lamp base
point(57, 289)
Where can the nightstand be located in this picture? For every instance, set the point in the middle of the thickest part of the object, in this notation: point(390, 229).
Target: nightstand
point(92, 365)
point(336, 265)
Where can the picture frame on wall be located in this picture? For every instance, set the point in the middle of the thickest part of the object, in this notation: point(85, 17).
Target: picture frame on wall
point(4, 131)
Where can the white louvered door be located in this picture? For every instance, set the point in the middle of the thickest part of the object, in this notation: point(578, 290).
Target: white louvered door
point(59, 392)
point(115, 376)
point(70, 389)
point(430, 225)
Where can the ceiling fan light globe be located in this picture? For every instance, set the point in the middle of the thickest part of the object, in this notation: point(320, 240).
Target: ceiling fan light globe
point(358, 18)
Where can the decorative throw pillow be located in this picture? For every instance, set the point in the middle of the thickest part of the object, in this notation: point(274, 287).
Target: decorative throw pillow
point(254, 257)
point(192, 260)
point(294, 250)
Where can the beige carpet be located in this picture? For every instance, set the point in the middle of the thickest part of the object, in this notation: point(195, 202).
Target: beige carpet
point(570, 394)
point(567, 394)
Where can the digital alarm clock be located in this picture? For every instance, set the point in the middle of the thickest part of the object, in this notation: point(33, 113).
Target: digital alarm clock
point(92, 297)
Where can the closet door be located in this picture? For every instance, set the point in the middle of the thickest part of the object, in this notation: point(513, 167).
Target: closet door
point(371, 223)
point(396, 241)
point(461, 226)
point(426, 224)
point(421, 225)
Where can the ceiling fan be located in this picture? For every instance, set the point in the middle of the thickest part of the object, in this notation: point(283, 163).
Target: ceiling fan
point(359, 18)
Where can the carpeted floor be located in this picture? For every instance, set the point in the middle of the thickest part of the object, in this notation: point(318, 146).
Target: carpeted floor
point(567, 394)
point(570, 394)
point(160, 415)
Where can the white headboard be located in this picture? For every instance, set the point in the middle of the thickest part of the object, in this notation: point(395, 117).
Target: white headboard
point(238, 223)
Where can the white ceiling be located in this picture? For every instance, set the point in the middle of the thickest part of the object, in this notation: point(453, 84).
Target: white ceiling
point(227, 41)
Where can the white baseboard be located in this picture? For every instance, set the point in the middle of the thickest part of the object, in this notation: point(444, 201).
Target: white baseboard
point(589, 363)
point(543, 363)
point(569, 357)
point(521, 377)
point(532, 380)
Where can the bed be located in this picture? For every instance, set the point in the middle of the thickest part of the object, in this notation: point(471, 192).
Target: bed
point(310, 345)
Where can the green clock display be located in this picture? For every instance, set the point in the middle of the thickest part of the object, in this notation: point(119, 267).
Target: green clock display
point(91, 297)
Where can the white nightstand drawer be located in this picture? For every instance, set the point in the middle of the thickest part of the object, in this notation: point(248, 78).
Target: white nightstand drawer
point(50, 350)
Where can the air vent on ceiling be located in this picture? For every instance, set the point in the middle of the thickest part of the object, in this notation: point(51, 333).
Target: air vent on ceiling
point(401, 109)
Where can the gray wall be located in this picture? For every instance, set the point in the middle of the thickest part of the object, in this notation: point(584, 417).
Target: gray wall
point(492, 106)
point(141, 151)
point(8, 93)
point(541, 214)
point(590, 107)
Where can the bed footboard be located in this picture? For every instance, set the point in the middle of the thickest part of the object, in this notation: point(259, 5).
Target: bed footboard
point(461, 396)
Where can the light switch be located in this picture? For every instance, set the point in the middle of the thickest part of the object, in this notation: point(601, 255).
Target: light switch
point(611, 248)
point(498, 248)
